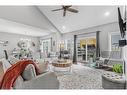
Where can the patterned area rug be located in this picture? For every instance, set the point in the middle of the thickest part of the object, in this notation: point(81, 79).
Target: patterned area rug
point(81, 77)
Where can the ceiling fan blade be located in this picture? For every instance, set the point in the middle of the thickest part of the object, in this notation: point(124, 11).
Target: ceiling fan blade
point(72, 10)
point(67, 6)
point(57, 9)
point(64, 12)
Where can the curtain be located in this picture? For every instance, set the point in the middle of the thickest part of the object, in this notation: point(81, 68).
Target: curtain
point(75, 52)
point(97, 44)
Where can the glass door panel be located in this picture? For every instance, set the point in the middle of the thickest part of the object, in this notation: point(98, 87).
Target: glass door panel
point(86, 49)
point(91, 48)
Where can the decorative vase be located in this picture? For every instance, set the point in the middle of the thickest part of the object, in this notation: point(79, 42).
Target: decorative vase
point(90, 60)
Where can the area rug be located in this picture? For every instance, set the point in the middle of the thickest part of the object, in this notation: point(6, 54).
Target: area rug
point(81, 77)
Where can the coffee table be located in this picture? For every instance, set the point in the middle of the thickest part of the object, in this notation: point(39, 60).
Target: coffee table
point(62, 64)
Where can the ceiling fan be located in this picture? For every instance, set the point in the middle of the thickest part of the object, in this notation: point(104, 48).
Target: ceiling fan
point(66, 8)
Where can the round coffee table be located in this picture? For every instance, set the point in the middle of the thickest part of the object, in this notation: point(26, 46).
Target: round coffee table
point(62, 64)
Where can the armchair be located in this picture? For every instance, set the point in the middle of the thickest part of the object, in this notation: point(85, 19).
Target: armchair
point(29, 80)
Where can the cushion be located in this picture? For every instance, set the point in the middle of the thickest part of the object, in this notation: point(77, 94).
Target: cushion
point(29, 72)
point(1, 70)
point(106, 61)
point(43, 66)
point(111, 80)
point(5, 64)
point(13, 60)
point(18, 83)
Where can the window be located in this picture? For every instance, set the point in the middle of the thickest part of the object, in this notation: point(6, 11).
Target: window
point(115, 42)
point(46, 46)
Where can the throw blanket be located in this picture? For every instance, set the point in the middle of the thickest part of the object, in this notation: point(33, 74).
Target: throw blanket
point(14, 71)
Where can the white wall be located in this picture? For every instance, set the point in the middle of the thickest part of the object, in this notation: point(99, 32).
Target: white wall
point(105, 40)
point(55, 37)
point(104, 34)
point(13, 39)
point(28, 15)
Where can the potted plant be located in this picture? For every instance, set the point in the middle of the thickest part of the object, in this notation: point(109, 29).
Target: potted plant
point(118, 68)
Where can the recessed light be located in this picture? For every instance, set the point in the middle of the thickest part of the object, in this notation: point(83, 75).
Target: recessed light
point(63, 27)
point(107, 13)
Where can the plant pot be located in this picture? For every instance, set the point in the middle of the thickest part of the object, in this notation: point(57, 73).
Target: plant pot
point(90, 60)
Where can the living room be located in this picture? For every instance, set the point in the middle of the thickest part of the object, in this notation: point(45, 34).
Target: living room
point(70, 53)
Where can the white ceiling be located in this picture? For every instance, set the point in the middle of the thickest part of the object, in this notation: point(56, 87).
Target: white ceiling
point(32, 20)
point(88, 16)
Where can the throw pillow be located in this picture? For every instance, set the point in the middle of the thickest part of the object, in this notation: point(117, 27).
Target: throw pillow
point(29, 72)
point(5, 64)
point(18, 83)
point(106, 61)
point(13, 60)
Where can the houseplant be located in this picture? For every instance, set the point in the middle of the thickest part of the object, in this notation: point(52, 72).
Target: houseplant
point(118, 68)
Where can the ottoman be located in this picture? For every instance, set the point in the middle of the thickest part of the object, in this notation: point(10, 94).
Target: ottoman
point(111, 80)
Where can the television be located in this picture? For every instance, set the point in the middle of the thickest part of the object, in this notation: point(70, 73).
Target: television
point(122, 24)
point(122, 43)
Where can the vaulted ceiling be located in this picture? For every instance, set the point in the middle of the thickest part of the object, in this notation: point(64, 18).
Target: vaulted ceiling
point(88, 16)
point(40, 20)
point(26, 20)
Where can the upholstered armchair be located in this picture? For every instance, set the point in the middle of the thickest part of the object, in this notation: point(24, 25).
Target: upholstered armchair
point(29, 80)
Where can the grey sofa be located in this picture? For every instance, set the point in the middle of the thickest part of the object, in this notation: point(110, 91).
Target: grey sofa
point(29, 79)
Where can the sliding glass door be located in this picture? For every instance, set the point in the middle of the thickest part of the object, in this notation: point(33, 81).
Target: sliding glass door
point(86, 49)
point(91, 48)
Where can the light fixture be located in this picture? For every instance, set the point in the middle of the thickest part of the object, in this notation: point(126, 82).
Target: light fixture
point(107, 13)
point(63, 27)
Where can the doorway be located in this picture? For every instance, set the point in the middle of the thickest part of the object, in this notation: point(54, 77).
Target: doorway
point(86, 48)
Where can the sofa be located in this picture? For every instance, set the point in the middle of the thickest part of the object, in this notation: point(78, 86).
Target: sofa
point(29, 80)
point(110, 58)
